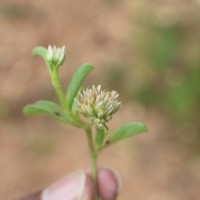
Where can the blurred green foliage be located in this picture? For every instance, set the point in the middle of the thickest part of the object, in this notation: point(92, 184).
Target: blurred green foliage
point(175, 85)
point(163, 73)
point(172, 78)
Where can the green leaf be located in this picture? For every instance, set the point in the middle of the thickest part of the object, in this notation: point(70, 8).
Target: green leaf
point(126, 131)
point(42, 52)
point(74, 108)
point(46, 108)
point(76, 82)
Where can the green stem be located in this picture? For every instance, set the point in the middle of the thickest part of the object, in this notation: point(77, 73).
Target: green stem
point(93, 157)
point(58, 88)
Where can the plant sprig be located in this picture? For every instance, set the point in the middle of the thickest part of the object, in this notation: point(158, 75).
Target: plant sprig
point(99, 105)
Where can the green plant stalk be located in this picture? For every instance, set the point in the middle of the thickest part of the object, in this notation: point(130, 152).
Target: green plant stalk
point(93, 157)
point(93, 154)
point(96, 142)
point(58, 88)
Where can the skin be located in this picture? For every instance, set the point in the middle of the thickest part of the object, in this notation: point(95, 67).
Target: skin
point(79, 186)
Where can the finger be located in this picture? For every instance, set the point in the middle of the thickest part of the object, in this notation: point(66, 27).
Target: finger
point(74, 186)
point(109, 183)
point(79, 185)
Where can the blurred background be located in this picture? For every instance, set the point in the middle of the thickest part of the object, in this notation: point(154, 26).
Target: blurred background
point(146, 50)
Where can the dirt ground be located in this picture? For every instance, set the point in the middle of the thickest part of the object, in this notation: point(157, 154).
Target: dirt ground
point(36, 151)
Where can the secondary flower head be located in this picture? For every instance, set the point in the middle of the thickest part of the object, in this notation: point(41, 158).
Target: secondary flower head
point(98, 104)
point(56, 55)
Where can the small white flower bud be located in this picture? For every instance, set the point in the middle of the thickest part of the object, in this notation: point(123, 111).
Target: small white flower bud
point(55, 56)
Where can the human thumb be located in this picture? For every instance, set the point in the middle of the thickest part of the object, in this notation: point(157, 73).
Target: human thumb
point(76, 186)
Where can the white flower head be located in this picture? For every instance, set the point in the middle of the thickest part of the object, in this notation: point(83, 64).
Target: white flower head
point(98, 104)
point(55, 55)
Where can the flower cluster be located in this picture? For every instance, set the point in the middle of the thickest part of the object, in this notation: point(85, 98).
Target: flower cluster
point(98, 104)
point(55, 56)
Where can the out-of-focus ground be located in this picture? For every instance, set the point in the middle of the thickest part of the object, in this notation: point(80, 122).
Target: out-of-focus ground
point(148, 51)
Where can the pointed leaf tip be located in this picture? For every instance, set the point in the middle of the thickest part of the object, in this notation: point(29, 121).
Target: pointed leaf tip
point(127, 130)
point(76, 82)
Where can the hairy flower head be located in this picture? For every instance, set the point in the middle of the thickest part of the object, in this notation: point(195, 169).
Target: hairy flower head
point(98, 104)
point(56, 55)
